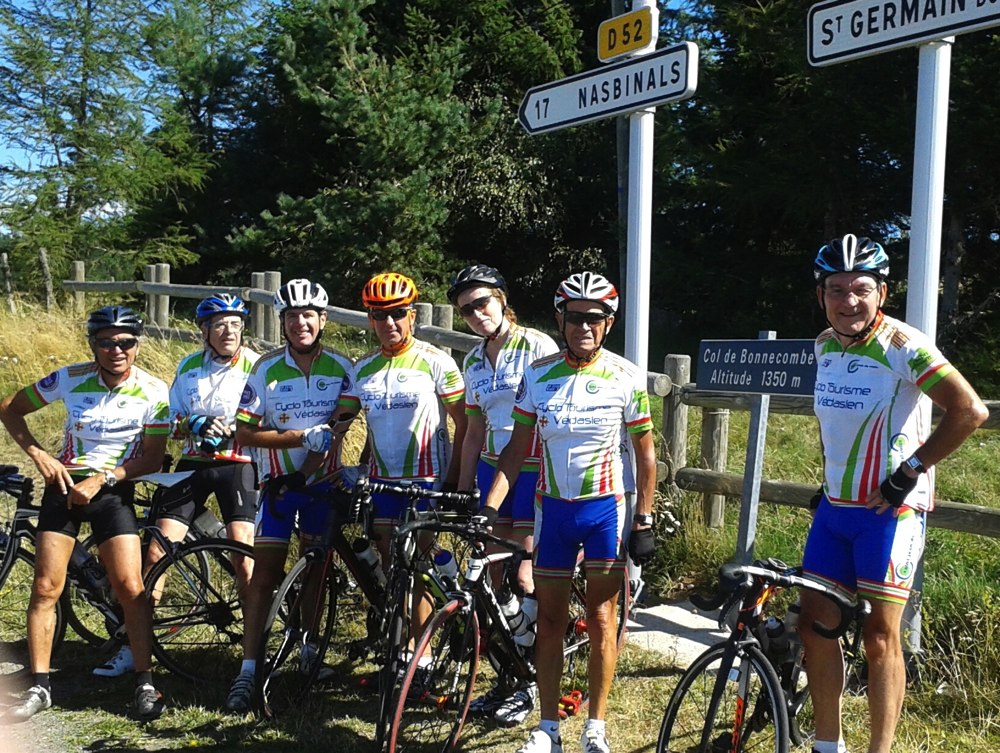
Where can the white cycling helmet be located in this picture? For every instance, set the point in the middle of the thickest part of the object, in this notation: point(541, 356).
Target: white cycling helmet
point(300, 294)
point(587, 286)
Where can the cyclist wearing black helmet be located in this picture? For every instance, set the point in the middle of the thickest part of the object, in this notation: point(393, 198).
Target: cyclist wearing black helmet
point(493, 370)
point(116, 429)
point(203, 401)
point(876, 380)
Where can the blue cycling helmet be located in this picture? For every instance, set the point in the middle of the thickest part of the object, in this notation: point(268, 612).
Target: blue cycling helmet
point(223, 303)
point(851, 254)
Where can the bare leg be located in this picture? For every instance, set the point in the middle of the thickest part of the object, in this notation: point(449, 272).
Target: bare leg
point(174, 531)
point(886, 672)
point(122, 557)
point(242, 531)
point(52, 553)
point(269, 566)
point(602, 624)
point(553, 615)
point(824, 664)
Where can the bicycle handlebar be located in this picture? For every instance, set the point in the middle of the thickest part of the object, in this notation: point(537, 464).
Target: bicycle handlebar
point(734, 578)
point(460, 525)
point(464, 501)
point(18, 486)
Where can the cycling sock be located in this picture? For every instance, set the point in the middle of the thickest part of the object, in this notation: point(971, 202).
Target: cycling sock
point(550, 728)
point(829, 746)
point(249, 666)
point(42, 680)
point(595, 724)
point(144, 678)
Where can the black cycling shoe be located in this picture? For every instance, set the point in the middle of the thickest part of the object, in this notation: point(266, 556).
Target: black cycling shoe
point(148, 703)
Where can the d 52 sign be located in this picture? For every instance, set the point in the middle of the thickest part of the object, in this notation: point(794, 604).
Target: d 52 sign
point(627, 34)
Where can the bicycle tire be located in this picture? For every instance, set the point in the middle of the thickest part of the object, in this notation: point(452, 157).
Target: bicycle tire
point(198, 617)
point(391, 666)
point(281, 681)
point(706, 715)
point(577, 643)
point(87, 621)
point(434, 697)
point(15, 593)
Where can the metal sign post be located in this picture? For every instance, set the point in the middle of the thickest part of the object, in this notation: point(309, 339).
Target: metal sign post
point(762, 368)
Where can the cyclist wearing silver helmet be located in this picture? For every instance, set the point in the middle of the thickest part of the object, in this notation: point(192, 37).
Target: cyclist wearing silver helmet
point(203, 401)
point(577, 401)
point(876, 380)
point(117, 423)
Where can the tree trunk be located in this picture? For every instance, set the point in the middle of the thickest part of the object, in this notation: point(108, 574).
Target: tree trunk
point(952, 257)
point(43, 260)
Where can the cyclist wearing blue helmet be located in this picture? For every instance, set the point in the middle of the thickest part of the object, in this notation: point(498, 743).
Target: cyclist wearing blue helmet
point(876, 380)
point(203, 401)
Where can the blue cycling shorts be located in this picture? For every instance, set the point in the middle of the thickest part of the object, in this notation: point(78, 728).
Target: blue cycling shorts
point(518, 507)
point(563, 526)
point(276, 518)
point(389, 508)
point(861, 552)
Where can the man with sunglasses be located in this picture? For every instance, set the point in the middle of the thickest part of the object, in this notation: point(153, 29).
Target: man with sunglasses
point(117, 423)
point(292, 399)
point(203, 401)
point(876, 380)
point(577, 402)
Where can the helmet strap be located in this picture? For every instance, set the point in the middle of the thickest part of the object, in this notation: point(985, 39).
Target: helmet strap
point(863, 334)
point(501, 328)
point(396, 350)
point(579, 361)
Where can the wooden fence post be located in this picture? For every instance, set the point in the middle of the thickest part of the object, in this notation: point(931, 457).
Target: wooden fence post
point(675, 414)
point(272, 281)
point(425, 314)
point(714, 449)
point(443, 315)
point(43, 261)
point(149, 275)
point(258, 311)
point(163, 300)
point(7, 285)
point(78, 274)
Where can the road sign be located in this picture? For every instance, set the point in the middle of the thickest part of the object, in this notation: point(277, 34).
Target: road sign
point(765, 367)
point(840, 30)
point(627, 34)
point(666, 75)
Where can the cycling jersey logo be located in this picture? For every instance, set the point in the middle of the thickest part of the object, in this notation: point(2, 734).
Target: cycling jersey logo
point(89, 401)
point(898, 441)
point(248, 395)
point(345, 383)
point(552, 388)
point(522, 390)
point(856, 364)
point(401, 377)
point(922, 360)
point(826, 362)
point(285, 388)
point(123, 403)
point(49, 382)
point(592, 388)
point(509, 358)
point(322, 384)
point(904, 571)
point(284, 418)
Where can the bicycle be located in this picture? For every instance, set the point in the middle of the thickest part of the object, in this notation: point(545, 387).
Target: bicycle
point(197, 622)
point(731, 699)
point(432, 701)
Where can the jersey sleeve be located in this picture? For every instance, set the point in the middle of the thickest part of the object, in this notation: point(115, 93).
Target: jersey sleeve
point(48, 389)
point(349, 400)
point(157, 419)
point(251, 410)
point(524, 411)
point(542, 346)
point(638, 418)
point(178, 409)
point(924, 364)
point(448, 380)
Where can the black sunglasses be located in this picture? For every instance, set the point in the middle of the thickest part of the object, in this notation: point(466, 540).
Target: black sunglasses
point(396, 314)
point(584, 317)
point(477, 305)
point(126, 343)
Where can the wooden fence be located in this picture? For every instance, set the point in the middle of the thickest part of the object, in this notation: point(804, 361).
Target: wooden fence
point(674, 386)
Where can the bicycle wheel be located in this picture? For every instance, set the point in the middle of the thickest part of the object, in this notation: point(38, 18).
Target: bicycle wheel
point(392, 667)
point(437, 685)
point(726, 705)
point(302, 613)
point(197, 617)
point(15, 592)
point(87, 620)
point(577, 643)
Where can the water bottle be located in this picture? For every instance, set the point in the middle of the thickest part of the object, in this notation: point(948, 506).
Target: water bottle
point(777, 638)
point(792, 631)
point(91, 571)
point(209, 526)
point(446, 567)
point(366, 553)
point(524, 632)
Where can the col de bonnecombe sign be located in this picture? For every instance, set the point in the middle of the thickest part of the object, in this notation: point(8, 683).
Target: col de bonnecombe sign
point(666, 75)
point(840, 30)
point(768, 367)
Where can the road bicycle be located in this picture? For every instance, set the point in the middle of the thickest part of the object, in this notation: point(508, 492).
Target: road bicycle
point(431, 701)
point(197, 618)
point(732, 698)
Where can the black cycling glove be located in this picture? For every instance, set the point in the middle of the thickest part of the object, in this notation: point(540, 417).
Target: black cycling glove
point(895, 488)
point(815, 499)
point(291, 481)
point(641, 545)
point(486, 517)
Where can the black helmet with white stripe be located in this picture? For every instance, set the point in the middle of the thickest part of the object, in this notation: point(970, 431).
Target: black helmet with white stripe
point(114, 317)
point(851, 254)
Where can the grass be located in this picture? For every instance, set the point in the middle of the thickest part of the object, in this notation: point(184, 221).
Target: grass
point(956, 708)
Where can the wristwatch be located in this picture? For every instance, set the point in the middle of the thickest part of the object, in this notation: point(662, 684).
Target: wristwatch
point(109, 478)
point(915, 465)
point(643, 520)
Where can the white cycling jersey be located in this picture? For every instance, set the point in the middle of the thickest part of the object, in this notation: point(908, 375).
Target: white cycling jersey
point(279, 396)
point(490, 392)
point(578, 413)
point(403, 397)
point(104, 427)
point(872, 409)
point(204, 386)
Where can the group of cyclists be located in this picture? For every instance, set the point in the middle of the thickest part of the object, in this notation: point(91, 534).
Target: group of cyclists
point(553, 438)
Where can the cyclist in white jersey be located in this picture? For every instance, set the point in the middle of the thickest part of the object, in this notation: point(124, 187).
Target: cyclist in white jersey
point(117, 423)
point(291, 399)
point(577, 401)
point(493, 370)
point(203, 401)
point(876, 379)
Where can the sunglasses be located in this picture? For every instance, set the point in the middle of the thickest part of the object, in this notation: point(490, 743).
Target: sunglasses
point(126, 343)
point(584, 317)
point(395, 314)
point(477, 305)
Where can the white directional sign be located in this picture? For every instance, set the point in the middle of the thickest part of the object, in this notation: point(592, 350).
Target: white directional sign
point(666, 75)
point(842, 30)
